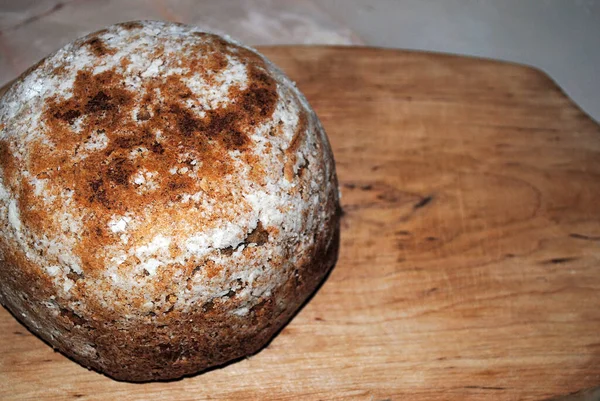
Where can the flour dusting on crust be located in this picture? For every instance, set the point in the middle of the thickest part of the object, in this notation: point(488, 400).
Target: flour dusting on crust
point(152, 167)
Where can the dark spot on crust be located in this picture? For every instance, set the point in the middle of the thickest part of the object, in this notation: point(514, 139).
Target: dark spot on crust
point(98, 193)
point(119, 171)
point(257, 100)
point(96, 97)
point(72, 317)
point(174, 185)
point(219, 123)
point(258, 236)
point(143, 115)
point(74, 275)
point(7, 161)
point(100, 102)
point(227, 251)
point(124, 142)
point(68, 115)
point(98, 47)
point(186, 122)
point(223, 125)
point(133, 141)
point(100, 32)
point(261, 96)
point(129, 25)
point(208, 306)
point(157, 148)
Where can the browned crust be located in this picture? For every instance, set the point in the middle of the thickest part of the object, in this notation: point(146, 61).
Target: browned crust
point(98, 46)
point(162, 344)
point(173, 344)
point(295, 143)
point(101, 182)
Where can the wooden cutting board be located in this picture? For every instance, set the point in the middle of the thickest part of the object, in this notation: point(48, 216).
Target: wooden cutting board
point(470, 259)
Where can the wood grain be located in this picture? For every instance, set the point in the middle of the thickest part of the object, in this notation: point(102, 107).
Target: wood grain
point(470, 260)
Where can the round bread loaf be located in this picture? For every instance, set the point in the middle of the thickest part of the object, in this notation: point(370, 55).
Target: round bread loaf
point(168, 200)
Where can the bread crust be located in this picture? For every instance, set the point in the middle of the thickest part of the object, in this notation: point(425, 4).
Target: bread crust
point(168, 200)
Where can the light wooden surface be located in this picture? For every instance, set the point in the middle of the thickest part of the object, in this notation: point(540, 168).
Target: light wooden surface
point(470, 259)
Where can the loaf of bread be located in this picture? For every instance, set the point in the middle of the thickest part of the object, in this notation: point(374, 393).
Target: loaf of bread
point(168, 200)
